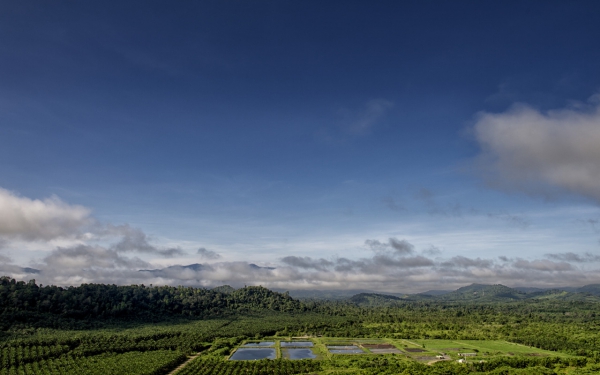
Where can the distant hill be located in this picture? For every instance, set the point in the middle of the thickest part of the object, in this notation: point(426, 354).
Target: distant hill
point(526, 289)
point(436, 292)
point(30, 270)
point(374, 299)
point(315, 294)
point(484, 292)
point(591, 289)
point(165, 272)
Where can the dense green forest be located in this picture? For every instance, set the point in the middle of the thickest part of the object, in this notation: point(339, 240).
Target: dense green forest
point(109, 329)
point(89, 304)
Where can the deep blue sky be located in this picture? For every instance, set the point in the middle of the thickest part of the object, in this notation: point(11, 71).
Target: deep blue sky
point(320, 124)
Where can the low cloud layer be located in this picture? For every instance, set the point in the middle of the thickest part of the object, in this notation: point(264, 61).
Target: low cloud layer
point(393, 265)
point(122, 254)
point(542, 152)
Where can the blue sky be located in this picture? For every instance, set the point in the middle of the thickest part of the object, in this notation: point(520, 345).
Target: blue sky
point(293, 135)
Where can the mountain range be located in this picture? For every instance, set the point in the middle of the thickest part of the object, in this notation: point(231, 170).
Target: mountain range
point(484, 293)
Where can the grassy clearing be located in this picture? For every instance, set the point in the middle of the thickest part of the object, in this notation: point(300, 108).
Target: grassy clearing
point(492, 347)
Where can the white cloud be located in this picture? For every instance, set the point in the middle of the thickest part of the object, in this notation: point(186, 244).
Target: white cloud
point(33, 219)
point(542, 152)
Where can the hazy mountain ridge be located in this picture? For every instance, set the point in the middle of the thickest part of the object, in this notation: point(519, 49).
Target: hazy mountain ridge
point(484, 293)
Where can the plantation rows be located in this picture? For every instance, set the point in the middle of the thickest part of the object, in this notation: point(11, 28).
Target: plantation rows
point(14, 356)
point(201, 366)
point(147, 363)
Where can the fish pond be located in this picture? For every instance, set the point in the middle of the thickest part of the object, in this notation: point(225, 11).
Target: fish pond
point(298, 353)
point(248, 354)
point(296, 344)
point(261, 344)
point(346, 349)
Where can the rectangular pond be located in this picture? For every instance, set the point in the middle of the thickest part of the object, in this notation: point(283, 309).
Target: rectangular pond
point(261, 344)
point(346, 349)
point(340, 347)
point(289, 353)
point(248, 354)
point(296, 344)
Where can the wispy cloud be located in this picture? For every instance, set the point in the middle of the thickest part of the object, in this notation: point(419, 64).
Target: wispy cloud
point(363, 121)
point(392, 204)
point(307, 263)
point(510, 219)
point(207, 254)
point(427, 197)
point(357, 122)
point(576, 258)
point(134, 240)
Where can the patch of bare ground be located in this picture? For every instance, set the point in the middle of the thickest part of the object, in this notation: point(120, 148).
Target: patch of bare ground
point(385, 351)
point(414, 350)
point(379, 346)
point(425, 359)
point(184, 363)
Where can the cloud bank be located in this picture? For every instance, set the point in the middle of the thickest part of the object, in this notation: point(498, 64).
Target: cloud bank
point(393, 266)
point(542, 152)
point(122, 254)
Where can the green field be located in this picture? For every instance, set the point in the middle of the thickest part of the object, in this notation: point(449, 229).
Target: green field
point(485, 348)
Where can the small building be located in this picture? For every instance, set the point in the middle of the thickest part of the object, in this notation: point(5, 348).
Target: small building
point(462, 360)
point(439, 356)
point(467, 354)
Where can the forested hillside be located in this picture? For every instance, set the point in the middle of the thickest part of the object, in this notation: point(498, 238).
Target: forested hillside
point(479, 293)
point(51, 305)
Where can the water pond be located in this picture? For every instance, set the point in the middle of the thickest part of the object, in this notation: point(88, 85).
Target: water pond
point(296, 344)
point(340, 347)
point(260, 344)
point(246, 354)
point(298, 354)
point(348, 349)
